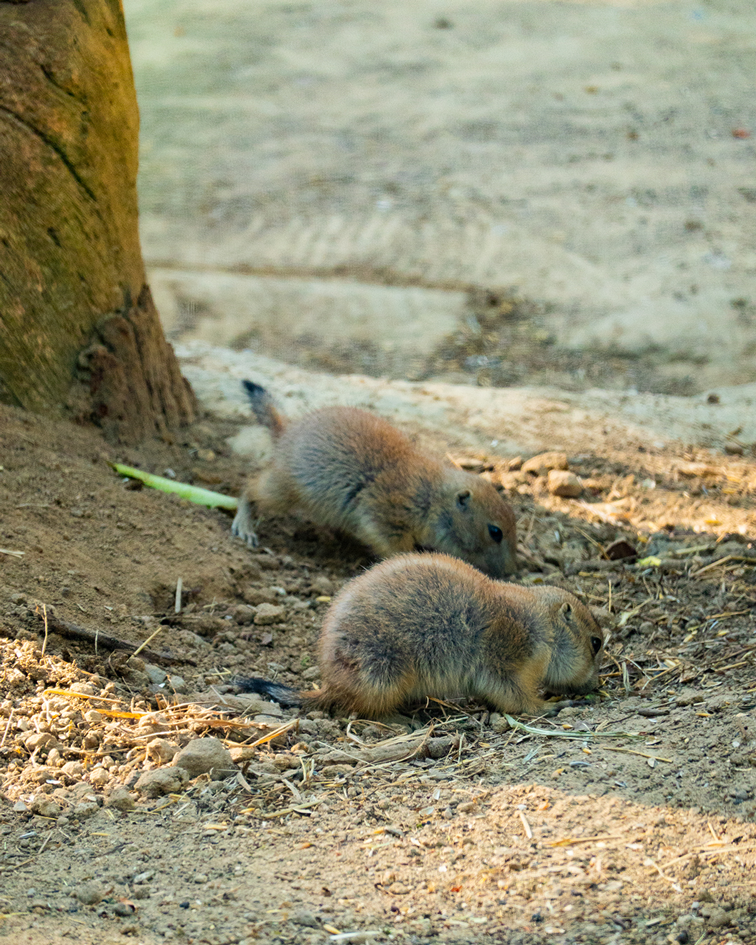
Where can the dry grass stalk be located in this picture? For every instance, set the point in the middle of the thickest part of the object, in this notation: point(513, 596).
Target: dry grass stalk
point(525, 825)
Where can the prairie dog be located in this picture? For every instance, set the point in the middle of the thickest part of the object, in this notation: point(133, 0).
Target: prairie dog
point(431, 625)
point(348, 469)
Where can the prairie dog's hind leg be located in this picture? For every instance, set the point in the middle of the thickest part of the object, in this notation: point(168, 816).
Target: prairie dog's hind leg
point(243, 525)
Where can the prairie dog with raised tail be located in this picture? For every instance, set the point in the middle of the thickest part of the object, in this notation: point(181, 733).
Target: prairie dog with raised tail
point(431, 625)
point(349, 469)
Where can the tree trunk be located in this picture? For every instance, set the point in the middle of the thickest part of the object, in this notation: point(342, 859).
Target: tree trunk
point(78, 328)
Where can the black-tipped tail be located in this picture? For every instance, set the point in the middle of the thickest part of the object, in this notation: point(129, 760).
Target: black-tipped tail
point(263, 408)
point(284, 695)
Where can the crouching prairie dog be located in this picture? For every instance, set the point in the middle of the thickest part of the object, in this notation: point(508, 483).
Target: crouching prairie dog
point(431, 625)
point(348, 469)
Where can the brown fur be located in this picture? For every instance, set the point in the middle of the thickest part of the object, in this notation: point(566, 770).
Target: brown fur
point(348, 469)
point(431, 625)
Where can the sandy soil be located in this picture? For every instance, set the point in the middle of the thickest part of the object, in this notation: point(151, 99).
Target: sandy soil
point(315, 173)
point(629, 819)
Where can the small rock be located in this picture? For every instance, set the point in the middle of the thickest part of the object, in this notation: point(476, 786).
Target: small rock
point(123, 907)
point(92, 892)
point(312, 672)
point(563, 483)
point(208, 626)
point(40, 740)
point(162, 781)
point(718, 918)
point(322, 585)
point(268, 614)
point(689, 697)
point(266, 562)
point(155, 674)
point(84, 810)
point(398, 889)
point(541, 465)
point(440, 747)
point(44, 806)
point(99, 777)
point(161, 750)
point(202, 755)
point(120, 798)
point(74, 770)
point(307, 919)
point(498, 723)
point(177, 683)
point(44, 773)
point(141, 878)
point(244, 614)
point(259, 595)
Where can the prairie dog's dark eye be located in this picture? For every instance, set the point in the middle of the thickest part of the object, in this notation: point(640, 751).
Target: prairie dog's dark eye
point(496, 533)
point(596, 644)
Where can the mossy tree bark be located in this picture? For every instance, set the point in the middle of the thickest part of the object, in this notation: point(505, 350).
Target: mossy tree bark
point(78, 328)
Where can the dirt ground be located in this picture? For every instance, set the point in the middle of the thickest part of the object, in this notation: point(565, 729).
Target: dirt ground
point(628, 819)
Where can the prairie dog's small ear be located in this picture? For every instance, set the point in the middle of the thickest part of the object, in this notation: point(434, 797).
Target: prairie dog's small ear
point(463, 499)
point(565, 610)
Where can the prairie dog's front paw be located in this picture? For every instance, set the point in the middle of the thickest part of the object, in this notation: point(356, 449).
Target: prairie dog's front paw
point(243, 526)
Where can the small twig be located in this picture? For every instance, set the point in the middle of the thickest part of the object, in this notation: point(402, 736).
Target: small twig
point(13, 554)
point(643, 754)
point(177, 605)
point(573, 841)
point(7, 727)
point(108, 642)
point(720, 561)
point(144, 643)
point(668, 879)
point(44, 644)
point(531, 730)
point(525, 825)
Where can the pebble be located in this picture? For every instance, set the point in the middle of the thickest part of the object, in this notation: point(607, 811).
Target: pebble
point(155, 674)
point(563, 483)
point(161, 750)
point(162, 781)
point(84, 810)
point(124, 908)
point(305, 918)
point(498, 723)
point(74, 770)
point(259, 595)
point(92, 892)
point(99, 777)
point(268, 614)
point(44, 773)
point(322, 585)
point(120, 798)
point(541, 464)
point(44, 806)
point(202, 755)
point(40, 740)
point(717, 918)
